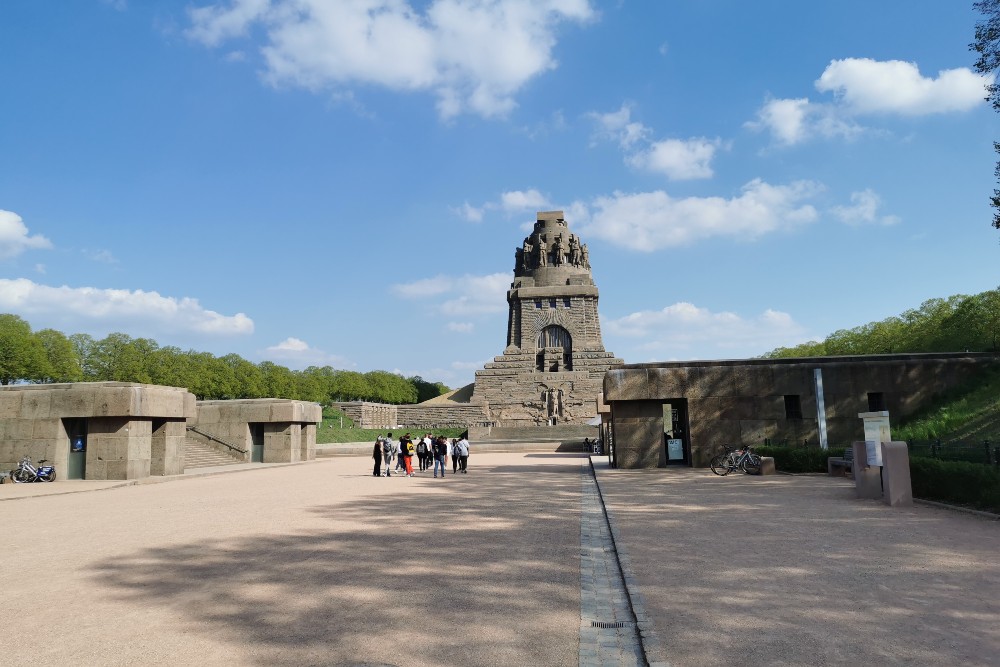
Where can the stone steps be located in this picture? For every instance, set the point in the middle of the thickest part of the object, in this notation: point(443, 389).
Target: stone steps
point(199, 455)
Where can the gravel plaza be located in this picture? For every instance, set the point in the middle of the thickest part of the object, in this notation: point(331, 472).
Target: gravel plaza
point(320, 563)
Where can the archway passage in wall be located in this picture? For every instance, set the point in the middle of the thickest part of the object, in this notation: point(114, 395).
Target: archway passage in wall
point(555, 349)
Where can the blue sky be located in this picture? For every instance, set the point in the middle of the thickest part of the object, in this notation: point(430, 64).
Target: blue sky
point(319, 182)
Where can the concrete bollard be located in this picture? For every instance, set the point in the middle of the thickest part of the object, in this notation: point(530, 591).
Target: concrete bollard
point(767, 466)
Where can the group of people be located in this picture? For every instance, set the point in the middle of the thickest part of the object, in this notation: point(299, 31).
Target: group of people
point(428, 449)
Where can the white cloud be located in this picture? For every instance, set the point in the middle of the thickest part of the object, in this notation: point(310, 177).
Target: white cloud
point(683, 329)
point(474, 55)
point(619, 126)
point(103, 256)
point(298, 354)
point(470, 213)
point(523, 200)
point(648, 221)
point(679, 159)
point(864, 209)
point(461, 327)
point(465, 295)
point(118, 307)
point(40, 268)
point(14, 238)
point(864, 86)
point(424, 288)
point(792, 121)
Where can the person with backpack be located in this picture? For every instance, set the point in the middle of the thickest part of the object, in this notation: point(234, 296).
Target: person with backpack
point(388, 452)
point(453, 453)
point(422, 454)
point(377, 455)
point(440, 455)
point(407, 447)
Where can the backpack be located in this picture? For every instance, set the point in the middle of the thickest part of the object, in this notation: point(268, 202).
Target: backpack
point(421, 447)
point(387, 449)
point(409, 448)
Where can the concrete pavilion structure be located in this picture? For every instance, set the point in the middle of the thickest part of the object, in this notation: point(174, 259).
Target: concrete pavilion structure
point(125, 430)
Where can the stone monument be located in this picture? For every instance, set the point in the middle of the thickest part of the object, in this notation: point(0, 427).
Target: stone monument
point(553, 367)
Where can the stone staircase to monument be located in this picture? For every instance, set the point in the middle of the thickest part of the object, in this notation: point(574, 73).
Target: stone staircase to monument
point(201, 452)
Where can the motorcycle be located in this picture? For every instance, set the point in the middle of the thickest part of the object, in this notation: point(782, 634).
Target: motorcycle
point(25, 472)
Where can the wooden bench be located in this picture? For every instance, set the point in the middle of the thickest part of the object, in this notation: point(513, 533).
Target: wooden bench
point(841, 466)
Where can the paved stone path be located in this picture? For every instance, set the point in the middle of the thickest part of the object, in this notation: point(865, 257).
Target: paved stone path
point(604, 603)
point(322, 564)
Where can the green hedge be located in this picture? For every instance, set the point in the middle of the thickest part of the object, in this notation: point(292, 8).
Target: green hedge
point(799, 459)
point(958, 482)
point(971, 484)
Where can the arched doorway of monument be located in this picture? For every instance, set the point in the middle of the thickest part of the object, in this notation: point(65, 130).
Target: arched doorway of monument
point(676, 449)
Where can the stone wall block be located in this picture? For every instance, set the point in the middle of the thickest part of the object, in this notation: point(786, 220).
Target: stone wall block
point(46, 429)
point(36, 404)
point(73, 401)
point(116, 401)
point(208, 414)
point(626, 384)
point(754, 431)
point(668, 383)
point(10, 403)
point(162, 402)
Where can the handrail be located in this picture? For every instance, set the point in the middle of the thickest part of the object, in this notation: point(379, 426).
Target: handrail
point(217, 439)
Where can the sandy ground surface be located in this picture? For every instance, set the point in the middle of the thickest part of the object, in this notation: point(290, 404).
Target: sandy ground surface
point(786, 570)
point(315, 564)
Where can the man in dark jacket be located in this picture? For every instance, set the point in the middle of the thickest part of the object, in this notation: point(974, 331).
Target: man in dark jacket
point(377, 455)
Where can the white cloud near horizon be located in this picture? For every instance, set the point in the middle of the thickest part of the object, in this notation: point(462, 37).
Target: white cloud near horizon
point(14, 236)
point(119, 307)
point(649, 221)
point(682, 329)
point(461, 296)
point(677, 159)
point(510, 202)
point(298, 354)
point(863, 86)
point(864, 209)
point(473, 55)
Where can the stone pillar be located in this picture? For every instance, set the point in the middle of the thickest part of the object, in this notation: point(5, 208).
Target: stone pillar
point(308, 442)
point(118, 448)
point(167, 448)
point(867, 478)
point(896, 469)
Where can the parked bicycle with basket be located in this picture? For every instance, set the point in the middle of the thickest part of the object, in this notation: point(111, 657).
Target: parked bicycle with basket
point(744, 459)
point(25, 472)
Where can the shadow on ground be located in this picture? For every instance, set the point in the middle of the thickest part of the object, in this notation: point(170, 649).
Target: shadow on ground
point(474, 569)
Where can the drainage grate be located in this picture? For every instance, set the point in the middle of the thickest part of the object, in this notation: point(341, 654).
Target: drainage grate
point(611, 624)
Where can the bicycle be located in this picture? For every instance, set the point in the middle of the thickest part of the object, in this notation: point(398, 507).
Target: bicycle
point(26, 473)
point(732, 459)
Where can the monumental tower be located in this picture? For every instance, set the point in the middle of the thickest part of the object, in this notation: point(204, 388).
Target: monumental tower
point(553, 366)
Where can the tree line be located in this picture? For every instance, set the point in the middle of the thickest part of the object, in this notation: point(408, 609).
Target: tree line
point(960, 323)
point(48, 355)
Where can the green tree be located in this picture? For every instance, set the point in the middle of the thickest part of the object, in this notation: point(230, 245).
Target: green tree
point(63, 361)
point(121, 358)
point(248, 380)
point(22, 355)
point(427, 390)
point(83, 345)
point(987, 45)
point(278, 380)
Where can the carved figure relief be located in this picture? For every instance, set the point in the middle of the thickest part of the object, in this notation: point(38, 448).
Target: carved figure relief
point(543, 252)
